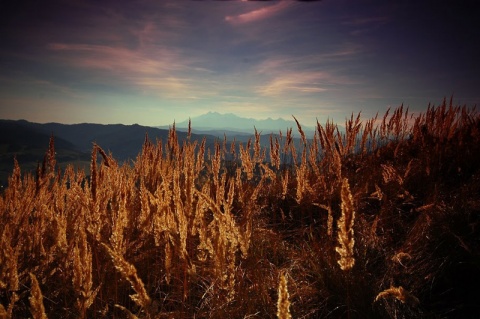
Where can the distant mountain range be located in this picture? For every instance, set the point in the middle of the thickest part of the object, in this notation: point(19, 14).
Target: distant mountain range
point(217, 124)
point(28, 141)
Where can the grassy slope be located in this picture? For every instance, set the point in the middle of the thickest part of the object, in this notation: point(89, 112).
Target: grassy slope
point(210, 241)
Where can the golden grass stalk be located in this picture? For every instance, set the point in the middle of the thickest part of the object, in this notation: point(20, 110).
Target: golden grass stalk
point(285, 178)
point(36, 299)
point(129, 272)
point(352, 128)
point(9, 263)
point(50, 156)
point(400, 294)
point(302, 133)
point(283, 302)
point(93, 173)
point(82, 273)
point(247, 163)
point(256, 146)
point(345, 229)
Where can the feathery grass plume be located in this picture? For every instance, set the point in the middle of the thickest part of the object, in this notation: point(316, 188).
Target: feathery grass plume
point(226, 239)
point(345, 228)
point(224, 144)
point(383, 133)
point(50, 156)
point(302, 133)
point(107, 160)
point(288, 141)
point(36, 299)
point(181, 230)
point(119, 218)
point(283, 302)
point(368, 134)
point(200, 227)
point(200, 157)
point(129, 272)
point(331, 142)
point(247, 163)
point(93, 172)
point(285, 179)
point(256, 146)
point(301, 172)
point(329, 221)
point(216, 163)
point(172, 142)
point(352, 128)
point(188, 177)
point(144, 204)
point(233, 152)
point(314, 155)
point(302, 177)
point(272, 150)
point(9, 262)
point(397, 124)
point(275, 152)
point(400, 294)
point(82, 273)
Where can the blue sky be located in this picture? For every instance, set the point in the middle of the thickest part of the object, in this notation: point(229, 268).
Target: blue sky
point(153, 62)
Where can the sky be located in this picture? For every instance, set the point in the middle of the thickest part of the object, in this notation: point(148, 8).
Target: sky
point(155, 62)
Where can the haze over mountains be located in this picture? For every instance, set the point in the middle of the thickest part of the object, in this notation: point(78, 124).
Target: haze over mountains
point(217, 124)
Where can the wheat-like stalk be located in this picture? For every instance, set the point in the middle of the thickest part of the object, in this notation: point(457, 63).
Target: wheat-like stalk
point(345, 228)
point(283, 301)
point(9, 262)
point(274, 152)
point(36, 299)
point(129, 272)
point(82, 273)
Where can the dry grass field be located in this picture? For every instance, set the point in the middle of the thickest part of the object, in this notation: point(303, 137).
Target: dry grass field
point(381, 221)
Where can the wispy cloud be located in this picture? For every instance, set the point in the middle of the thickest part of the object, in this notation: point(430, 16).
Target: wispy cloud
point(297, 82)
point(160, 72)
point(258, 14)
point(310, 74)
point(118, 59)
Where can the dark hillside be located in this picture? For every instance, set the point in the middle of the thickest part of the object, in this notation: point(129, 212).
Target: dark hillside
point(26, 142)
point(19, 135)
